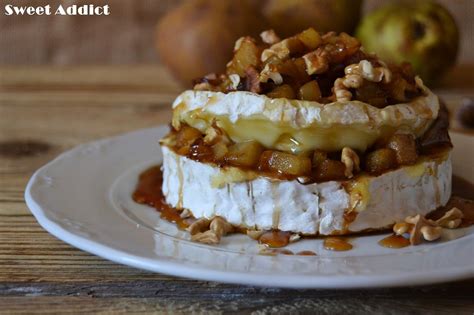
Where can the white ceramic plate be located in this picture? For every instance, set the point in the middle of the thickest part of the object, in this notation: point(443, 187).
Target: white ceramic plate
point(83, 198)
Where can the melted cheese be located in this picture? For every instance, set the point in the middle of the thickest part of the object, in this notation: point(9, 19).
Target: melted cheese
point(296, 125)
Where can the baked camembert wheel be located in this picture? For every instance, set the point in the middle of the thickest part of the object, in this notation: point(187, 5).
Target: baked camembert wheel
point(309, 135)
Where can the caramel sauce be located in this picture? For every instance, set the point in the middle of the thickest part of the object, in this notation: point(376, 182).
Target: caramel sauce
point(148, 192)
point(276, 251)
point(279, 251)
point(306, 253)
point(349, 217)
point(394, 241)
point(275, 239)
point(336, 244)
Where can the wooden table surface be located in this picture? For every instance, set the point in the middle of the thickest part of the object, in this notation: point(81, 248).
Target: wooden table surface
point(45, 111)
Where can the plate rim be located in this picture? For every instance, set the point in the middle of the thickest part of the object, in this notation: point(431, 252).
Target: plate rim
point(175, 268)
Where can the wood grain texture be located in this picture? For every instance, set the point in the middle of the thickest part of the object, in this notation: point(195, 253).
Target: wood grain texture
point(45, 111)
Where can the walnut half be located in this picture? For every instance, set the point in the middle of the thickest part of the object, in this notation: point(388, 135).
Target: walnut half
point(423, 229)
point(269, 37)
point(209, 231)
point(451, 219)
point(220, 226)
point(199, 226)
point(351, 160)
point(208, 237)
point(355, 74)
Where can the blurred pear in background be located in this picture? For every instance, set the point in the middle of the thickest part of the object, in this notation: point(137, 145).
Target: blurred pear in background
point(198, 36)
point(421, 32)
point(288, 17)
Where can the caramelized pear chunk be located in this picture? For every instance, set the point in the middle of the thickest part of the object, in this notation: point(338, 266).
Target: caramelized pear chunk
point(310, 38)
point(285, 163)
point(282, 91)
point(319, 156)
point(329, 170)
point(244, 154)
point(246, 54)
point(309, 91)
point(199, 151)
point(404, 146)
point(380, 160)
point(219, 150)
point(187, 135)
point(371, 93)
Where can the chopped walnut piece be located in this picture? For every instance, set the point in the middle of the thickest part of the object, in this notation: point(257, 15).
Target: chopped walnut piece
point(208, 237)
point(370, 73)
point(235, 79)
point(294, 238)
point(253, 80)
point(214, 135)
point(220, 226)
point(334, 49)
point(401, 228)
point(431, 233)
point(341, 92)
point(185, 214)
point(351, 160)
point(283, 49)
point(209, 232)
point(423, 228)
point(200, 225)
point(309, 59)
point(269, 37)
point(316, 61)
point(451, 219)
point(270, 72)
point(355, 74)
point(211, 135)
point(304, 179)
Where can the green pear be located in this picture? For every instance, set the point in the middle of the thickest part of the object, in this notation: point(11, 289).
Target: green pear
point(421, 32)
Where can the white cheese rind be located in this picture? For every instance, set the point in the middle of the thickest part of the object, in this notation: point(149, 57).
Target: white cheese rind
point(303, 114)
point(398, 194)
point(264, 203)
point(330, 127)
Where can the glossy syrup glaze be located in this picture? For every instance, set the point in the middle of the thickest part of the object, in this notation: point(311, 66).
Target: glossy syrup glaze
point(394, 241)
point(337, 244)
point(148, 192)
point(275, 239)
